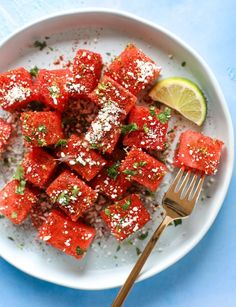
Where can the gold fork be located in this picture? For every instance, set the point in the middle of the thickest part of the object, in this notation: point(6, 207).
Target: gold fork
point(178, 203)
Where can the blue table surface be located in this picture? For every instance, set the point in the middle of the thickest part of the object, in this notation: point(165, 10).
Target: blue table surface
point(207, 275)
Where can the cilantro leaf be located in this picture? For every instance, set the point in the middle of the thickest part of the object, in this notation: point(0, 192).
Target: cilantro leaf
point(34, 71)
point(145, 128)
point(129, 128)
point(19, 176)
point(177, 222)
point(127, 204)
point(107, 212)
point(164, 116)
point(61, 142)
point(113, 171)
point(143, 236)
point(80, 251)
point(40, 45)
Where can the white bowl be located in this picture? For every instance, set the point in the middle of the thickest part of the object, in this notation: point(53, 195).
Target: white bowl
point(98, 270)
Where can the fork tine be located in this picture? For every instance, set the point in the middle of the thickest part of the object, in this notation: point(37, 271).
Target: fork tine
point(176, 180)
point(184, 183)
point(198, 189)
point(191, 187)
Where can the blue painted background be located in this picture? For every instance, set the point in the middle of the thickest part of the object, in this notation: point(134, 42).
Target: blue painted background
point(207, 276)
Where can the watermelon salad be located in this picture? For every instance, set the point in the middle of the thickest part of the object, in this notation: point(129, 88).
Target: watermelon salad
point(91, 142)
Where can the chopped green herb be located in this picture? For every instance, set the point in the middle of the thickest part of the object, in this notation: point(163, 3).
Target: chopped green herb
point(145, 128)
point(75, 191)
point(19, 175)
point(143, 236)
point(107, 212)
point(10, 238)
point(40, 45)
point(34, 71)
point(138, 251)
point(80, 251)
point(152, 111)
point(164, 116)
point(118, 248)
point(61, 142)
point(27, 138)
point(2, 216)
point(113, 171)
point(42, 128)
point(42, 142)
point(14, 215)
point(142, 163)
point(129, 128)
point(50, 48)
point(136, 165)
point(102, 86)
point(21, 187)
point(126, 205)
point(177, 222)
point(63, 199)
point(183, 64)
point(130, 172)
point(94, 146)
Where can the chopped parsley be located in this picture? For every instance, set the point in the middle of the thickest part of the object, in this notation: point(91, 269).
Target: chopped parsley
point(164, 116)
point(145, 128)
point(143, 236)
point(42, 128)
point(61, 142)
point(2, 216)
point(183, 64)
point(102, 86)
point(129, 128)
point(118, 248)
point(27, 138)
point(130, 172)
point(139, 164)
point(138, 251)
point(63, 199)
point(10, 238)
point(113, 171)
point(80, 251)
point(94, 146)
point(75, 191)
point(127, 204)
point(19, 176)
point(14, 215)
point(34, 71)
point(107, 212)
point(40, 45)
point(42, 142)
point(152, 111)
point(177, 222)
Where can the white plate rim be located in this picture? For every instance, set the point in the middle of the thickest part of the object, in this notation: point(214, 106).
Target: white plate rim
point(198, 237)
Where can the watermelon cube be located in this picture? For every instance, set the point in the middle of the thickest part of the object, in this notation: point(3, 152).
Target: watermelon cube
point(5, 133)
point(111, 182)
point(72, 238)
point(78, 155)
point(51, 87)
point(87, 68)
point(126, 216)
point(41, 128)
point(71, 194)
point(150, 132)
point(105, 129)
point(197, 151)
point(16, 201)
point(133, 69)
point(143, 168)
point(16, 89)
point(109, 90)
point(38, 166)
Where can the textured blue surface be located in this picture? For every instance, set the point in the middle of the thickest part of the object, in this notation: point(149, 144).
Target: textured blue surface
point(207, 276)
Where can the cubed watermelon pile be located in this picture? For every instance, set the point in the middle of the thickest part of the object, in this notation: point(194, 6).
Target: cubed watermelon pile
point(64, 172)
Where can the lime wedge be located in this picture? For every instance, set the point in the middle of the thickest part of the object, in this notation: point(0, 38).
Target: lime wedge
point(183, 96)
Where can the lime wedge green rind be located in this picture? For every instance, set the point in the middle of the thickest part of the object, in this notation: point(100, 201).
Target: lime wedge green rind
point(182, 95)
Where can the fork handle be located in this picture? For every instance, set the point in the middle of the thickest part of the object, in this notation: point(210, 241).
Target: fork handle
point(140, 263)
